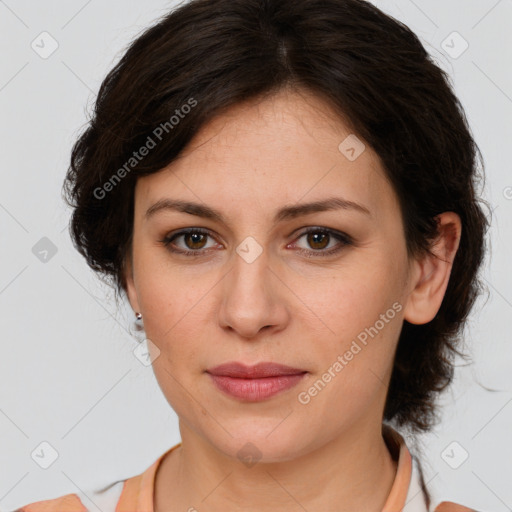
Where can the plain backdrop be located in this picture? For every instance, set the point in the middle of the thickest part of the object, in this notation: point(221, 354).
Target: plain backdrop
point(68, 375)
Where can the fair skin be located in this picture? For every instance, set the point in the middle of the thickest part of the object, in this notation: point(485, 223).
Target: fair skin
point(284, 306)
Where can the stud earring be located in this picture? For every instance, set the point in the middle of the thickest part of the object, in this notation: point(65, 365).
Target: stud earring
point(139, 328)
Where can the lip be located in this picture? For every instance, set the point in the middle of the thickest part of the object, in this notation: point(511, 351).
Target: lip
point(257, 371)
point(254, 383)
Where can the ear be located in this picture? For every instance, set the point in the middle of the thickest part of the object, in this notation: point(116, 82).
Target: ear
point(432, 273)
point(130, 284)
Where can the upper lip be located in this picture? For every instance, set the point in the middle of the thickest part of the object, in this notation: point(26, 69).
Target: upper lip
point(260, 370)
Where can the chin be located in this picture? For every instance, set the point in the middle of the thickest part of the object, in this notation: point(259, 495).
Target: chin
point(255, 442)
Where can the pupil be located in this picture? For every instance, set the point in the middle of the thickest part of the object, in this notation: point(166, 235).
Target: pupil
point(195, 240)
point(315, 239)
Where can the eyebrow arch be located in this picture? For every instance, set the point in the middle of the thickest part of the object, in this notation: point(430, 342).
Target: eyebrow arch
point(285, 213)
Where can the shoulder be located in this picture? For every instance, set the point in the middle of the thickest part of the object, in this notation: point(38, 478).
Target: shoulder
point(449, 506)
point(120, 495)
point(66, 503)
point(105, 499)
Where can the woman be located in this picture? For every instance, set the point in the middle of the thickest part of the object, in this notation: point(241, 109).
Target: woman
point(284, 190)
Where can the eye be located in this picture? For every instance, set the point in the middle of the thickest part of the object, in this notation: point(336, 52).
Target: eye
point(194, 239)
point(319, 239)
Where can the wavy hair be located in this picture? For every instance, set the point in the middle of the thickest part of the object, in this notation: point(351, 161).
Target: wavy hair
point(374, 73)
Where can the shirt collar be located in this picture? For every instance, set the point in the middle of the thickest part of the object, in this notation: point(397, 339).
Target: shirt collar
point(138, 491)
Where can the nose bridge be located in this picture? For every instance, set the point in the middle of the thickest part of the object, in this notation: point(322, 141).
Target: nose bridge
point(251, 300)
point(248, 281)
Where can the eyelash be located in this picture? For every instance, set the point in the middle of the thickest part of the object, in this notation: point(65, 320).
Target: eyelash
point(343, 238)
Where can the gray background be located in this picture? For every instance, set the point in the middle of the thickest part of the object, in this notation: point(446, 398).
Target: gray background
point(68, 373)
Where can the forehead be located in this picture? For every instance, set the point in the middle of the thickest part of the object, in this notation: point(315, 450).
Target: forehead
point(268, 152)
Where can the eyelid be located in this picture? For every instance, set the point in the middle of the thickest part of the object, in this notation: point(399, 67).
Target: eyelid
point(168, 238)
point(343, 238)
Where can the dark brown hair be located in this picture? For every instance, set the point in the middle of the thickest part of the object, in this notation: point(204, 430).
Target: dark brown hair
point(208, 55)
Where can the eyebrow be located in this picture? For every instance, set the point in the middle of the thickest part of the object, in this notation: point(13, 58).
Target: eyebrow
point(285, 213)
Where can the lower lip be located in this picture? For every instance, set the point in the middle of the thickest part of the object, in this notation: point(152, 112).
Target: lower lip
point(255, 390)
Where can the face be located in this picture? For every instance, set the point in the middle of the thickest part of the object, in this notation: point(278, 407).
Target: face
point(255, 286)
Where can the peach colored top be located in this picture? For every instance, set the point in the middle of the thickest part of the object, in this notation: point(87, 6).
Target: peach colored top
point(136, 493)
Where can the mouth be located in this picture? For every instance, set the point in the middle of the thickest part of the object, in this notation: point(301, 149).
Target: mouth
point(255, 383)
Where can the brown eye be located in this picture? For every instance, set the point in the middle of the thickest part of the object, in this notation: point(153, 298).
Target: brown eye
point(193, 242)
point(318, 239)
point(196, 240)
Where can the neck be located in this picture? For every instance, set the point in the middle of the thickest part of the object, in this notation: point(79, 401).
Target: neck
point(354, 471)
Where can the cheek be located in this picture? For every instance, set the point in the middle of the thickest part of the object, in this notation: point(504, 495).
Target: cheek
point(361, 319)
point(175, 321)
point(171, 300)
point(354, 367)
point(349, 304)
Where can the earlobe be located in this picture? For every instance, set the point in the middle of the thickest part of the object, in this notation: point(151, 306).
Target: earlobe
point(433, 272)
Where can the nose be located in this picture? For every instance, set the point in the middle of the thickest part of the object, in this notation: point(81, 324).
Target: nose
point(253, 298)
